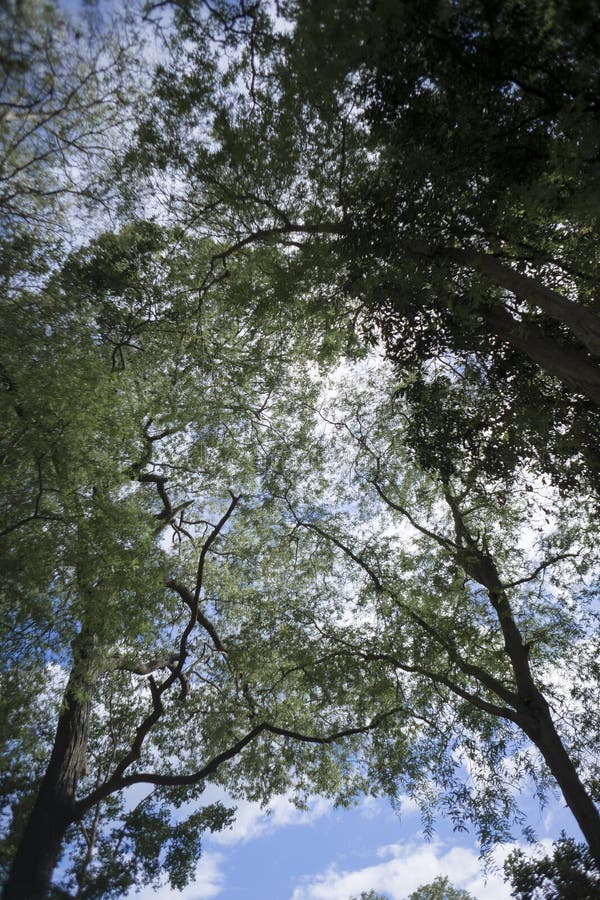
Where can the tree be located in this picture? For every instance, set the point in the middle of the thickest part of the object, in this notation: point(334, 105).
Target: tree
point(173, 602)
point(369, 895)
point(432, 166)
point(136, 436)
point(429, 597)
point(440, 889)
point(424, 169)
point(123, 381)
point(569, 874)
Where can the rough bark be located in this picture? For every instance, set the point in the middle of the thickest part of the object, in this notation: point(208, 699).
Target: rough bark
point(536, 721)
point(39, 848)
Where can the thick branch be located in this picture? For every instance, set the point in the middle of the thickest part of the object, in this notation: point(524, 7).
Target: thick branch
point(137, 668)
point(580, 320)
point(480, 566)
point(188, 598)
point(118, 783)
point(208, 543)
point(577, 372)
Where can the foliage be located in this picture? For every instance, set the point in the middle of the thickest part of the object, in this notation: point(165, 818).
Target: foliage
point(369, 895)
point(134, 849)
point(64, 83)
point(431, 167)
point(440, 889)
point(426, 598)
point(217, 565)
point(141, 414)
point(570, 873)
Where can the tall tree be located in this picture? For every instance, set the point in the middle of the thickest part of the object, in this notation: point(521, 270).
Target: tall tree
point(433, 165)
point(440, 889)
point(570, 873)
point(459, 601)
point(135, 438)
point(415, 179)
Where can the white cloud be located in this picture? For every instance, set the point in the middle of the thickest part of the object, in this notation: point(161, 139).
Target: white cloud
point(253, 821)
point(380, 808)
point(403, 868)
point(208, 882)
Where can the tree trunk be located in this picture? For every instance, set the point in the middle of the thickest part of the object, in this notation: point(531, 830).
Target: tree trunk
point(576, 368)
point(576, 371)
point(541, 730)
point(583, 322)
point(39, 848)
point(533, 711)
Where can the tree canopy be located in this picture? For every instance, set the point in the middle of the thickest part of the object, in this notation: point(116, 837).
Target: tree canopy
point(570, 873)
point(440, 889)
point(137, 435)
point(299, 465)
point(434, 167)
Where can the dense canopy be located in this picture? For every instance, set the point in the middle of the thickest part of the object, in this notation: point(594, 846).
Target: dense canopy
point(300, 397)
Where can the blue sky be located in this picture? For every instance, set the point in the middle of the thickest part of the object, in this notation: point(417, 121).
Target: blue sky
point(332, 854)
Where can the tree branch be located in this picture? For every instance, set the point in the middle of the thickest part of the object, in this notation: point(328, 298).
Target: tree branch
point(136, 668)
point(188, 598)
point(547, 562)
point(486, 678)
point(118, 783)
point(176, 669)
point(438, 538)
point(580, 320)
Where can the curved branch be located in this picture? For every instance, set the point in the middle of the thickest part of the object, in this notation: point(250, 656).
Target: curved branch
point(547, 562)
point(188, 598)
point(116, 783)
point(438, 538)
point(176, 670)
